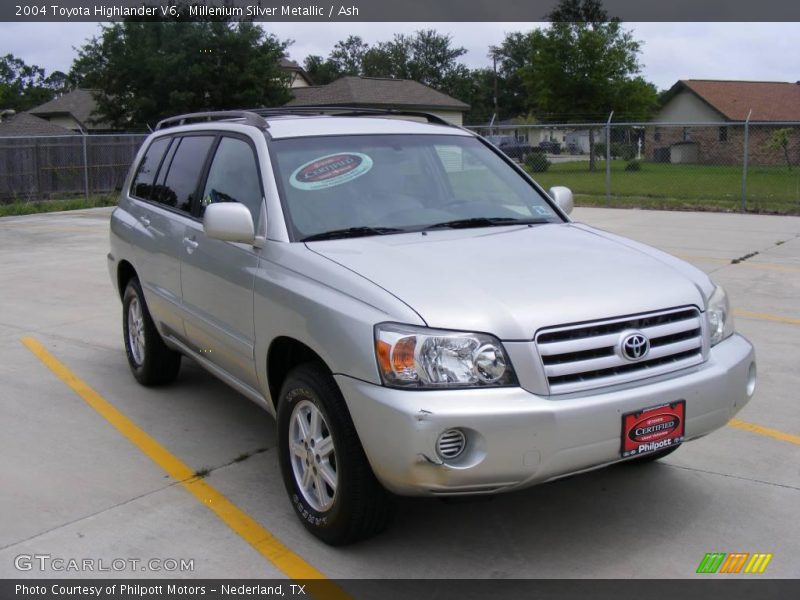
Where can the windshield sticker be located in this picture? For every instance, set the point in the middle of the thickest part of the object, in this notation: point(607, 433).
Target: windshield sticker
point(543, 210)
point(331, 170)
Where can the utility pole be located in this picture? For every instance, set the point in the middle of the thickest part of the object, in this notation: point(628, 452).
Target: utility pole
point(744, 159)
point(493, 53)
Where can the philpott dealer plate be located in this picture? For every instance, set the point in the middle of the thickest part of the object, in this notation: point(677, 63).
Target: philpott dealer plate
point(653, 429)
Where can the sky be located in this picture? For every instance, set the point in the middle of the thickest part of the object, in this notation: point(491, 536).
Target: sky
point(671, 51)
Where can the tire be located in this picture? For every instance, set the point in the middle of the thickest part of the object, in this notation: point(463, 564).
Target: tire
point(151, 362)
point(334, 492)
point(648, 458)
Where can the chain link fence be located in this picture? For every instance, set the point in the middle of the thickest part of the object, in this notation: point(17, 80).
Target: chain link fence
point(690, 166)
point(53, 167)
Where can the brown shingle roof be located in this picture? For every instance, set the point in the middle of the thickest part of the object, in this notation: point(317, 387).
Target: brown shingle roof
point(375, 92)
point(79, 103)
point(24, 124)
point(770, 100)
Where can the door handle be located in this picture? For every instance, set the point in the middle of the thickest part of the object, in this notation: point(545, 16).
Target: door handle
point(191, 245)
point(145, 221)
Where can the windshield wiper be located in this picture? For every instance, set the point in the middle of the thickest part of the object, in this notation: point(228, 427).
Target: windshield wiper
point(486, 222)
point(351, 232)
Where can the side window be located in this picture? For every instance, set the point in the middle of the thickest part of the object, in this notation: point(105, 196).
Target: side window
point(233, 177)
point(142, 186)
point(180, 184)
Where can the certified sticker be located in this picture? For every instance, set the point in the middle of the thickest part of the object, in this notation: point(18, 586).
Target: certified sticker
point(331, 170)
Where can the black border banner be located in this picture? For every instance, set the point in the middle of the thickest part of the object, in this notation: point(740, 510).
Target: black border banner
point(397, 10)
point(710, 587)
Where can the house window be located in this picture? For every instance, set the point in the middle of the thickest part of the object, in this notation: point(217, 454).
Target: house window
point(687, 134)
point(657, 134)
point(723, 134)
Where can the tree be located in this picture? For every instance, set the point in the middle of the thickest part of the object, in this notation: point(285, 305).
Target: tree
point(476, 89)
point(23, 86)
point(145, 71)
point(427, 57)
point(584, 66)
point(780, 141)
point(320, 71)
point(513, 55)
point(347, 56)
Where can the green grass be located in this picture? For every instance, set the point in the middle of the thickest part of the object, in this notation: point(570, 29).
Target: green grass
point(29, 208)
point(679, 187)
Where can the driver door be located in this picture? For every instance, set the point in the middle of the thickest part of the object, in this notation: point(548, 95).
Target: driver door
point(217, 277)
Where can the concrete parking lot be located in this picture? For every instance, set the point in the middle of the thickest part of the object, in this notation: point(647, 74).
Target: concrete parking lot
point(74, 487)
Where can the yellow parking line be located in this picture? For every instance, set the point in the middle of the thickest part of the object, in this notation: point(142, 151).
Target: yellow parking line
point(765, 317)
point(264, 542)
point(768, 431)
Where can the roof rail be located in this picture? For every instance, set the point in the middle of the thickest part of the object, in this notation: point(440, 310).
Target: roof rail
point(349, 111)
point(249, 117)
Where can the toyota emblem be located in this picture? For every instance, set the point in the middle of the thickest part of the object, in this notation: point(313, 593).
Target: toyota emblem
point(635, 346)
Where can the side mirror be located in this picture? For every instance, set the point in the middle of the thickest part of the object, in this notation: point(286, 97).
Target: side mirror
point(229, 222)
point(563, 198)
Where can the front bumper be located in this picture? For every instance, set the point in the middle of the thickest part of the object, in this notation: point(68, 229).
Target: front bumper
point(517, 439)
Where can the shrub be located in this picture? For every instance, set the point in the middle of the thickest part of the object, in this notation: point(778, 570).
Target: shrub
point(634, 165)
point(600, 149)
point(627, 151)
point(537, 162)
point(623, 151)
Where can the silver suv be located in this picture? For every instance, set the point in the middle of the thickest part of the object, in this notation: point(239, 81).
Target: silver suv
point(419, 315)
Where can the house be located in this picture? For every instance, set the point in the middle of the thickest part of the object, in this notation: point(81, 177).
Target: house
point(708, 117)
point(526, 130)
point(26, 124)
point(377, 92)
point(75, 110)
point(297, 74)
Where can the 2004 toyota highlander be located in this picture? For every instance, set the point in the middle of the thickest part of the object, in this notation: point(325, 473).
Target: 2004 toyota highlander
point(421, 317)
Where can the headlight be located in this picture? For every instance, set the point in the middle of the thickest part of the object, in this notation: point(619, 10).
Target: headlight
point(720, 320)
point(434, 358)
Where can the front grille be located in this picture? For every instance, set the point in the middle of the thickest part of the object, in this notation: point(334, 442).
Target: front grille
point(587, 355)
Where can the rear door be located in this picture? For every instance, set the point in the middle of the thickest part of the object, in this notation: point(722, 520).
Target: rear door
point(163, 191)
point(217, 277)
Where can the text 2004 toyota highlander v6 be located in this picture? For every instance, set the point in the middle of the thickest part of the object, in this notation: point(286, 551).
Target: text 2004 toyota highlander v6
point(418, 314)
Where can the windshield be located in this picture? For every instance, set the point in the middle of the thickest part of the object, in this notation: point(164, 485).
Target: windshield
point(355, 185)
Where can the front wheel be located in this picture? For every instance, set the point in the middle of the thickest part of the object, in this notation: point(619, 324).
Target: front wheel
point(324, 468)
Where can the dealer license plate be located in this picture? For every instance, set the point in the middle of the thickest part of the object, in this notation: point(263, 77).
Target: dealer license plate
point(653, 429)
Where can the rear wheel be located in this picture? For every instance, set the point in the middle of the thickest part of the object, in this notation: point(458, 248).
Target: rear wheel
point(150, 360)
point(325, 471)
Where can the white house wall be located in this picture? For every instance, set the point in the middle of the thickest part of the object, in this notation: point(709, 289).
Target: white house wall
point(686, 107)
point(453, 116)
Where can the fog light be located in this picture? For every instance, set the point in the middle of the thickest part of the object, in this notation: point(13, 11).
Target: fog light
point(451, 444)
point(751, 380)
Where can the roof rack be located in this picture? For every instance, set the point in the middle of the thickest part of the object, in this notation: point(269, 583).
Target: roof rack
point(249, 117)
point(349, 111)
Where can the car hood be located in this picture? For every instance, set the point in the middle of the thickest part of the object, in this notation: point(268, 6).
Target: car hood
point(512, 281)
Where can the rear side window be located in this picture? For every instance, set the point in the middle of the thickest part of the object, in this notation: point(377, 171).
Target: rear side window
point(181, 181)
point(233, 177)
point(143, 182)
